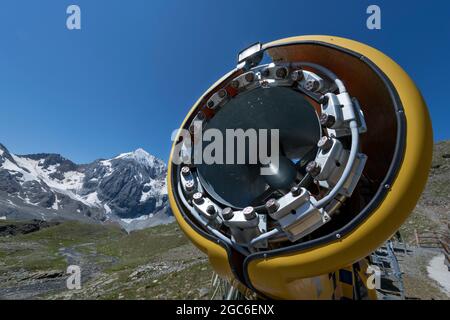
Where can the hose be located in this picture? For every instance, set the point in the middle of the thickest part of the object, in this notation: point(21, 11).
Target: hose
point(265, 236)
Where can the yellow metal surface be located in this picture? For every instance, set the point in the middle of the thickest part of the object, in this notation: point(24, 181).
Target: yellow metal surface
point(298, 275)
point(274, 276)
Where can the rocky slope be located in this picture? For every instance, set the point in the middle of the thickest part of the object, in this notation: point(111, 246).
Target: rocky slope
point(155, 263)
point(432, 212)
point(129, 188)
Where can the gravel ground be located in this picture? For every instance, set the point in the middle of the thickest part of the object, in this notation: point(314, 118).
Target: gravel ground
point(418, 284)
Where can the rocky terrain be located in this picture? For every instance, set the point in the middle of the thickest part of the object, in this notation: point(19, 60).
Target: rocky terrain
point(128, 189)
point(432, 213)
point(155, 263)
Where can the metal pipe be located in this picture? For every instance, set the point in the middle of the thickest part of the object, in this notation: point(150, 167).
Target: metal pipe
point(264, 236)
point(330, 74)
point(348, 168)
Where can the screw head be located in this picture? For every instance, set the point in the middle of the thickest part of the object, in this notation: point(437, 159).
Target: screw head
point(234, 84)
point(189, 185)
point(325, 143)
point(281, 73)
point(313, 168)
point(185, 170)
point(227, 213)
point(198, 198)
point(297, 75)
point(312, 85)
point(249, 213)
point(338, 235)
point(272, 205)
point(222, 93)
point(327, 120)
point(210, 104)
point(295, 191)
point(211, 209)
point(249, 77)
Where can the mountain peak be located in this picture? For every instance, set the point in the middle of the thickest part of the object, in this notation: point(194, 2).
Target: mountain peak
point(3, 149)
point(143, 157)
point(128, 186)
point(139, 152)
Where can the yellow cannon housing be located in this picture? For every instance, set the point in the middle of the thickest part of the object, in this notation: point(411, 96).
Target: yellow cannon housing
point(353, 154)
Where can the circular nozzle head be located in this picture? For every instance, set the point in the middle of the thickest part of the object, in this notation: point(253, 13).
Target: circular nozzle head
point(198, 198)
point(185, 171)
point(327, 120)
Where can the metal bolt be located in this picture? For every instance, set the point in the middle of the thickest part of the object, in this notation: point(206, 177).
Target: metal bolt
point(327, 120)
point(297, 75)
point(210, 104)
point(198, 198)
point(387, 186)
point(185, 171)
point(313, 168)
point(249, 77)
point(296, 191)
point(249, 213)
point(325, 143)
point(281, 73)
point(211, 209)
point(235, 84)
point(222, 93)
point(189, 185)
point(338, 235)
point(312, 85)
point(227, 213)
point(323, 99)
point(272, 205)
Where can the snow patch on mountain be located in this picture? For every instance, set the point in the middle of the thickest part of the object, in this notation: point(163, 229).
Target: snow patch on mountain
point(127, 187)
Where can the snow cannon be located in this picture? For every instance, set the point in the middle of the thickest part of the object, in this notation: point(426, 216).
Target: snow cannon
point(295, 166)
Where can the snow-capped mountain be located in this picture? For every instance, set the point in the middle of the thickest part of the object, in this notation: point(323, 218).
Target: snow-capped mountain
point(129, 188)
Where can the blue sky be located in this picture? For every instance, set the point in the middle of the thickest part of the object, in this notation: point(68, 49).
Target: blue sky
point(127, 79)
